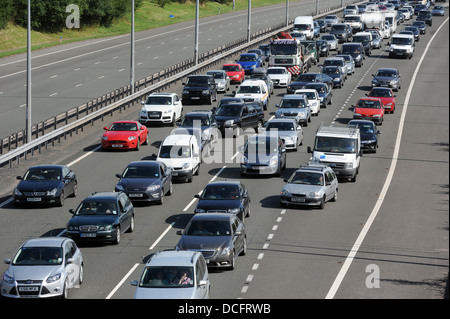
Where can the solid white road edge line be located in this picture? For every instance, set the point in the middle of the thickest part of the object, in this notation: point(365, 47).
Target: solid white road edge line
point(373, 214)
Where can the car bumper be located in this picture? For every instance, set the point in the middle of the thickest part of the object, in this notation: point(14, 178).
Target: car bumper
point(119, 145)
point(35, 199)
point(181, 174)
point(140, 196)
point(377, 120)
point(258, 169)
point(163, 119)
point(40, 290)
point(92, 236)
point(301, 201)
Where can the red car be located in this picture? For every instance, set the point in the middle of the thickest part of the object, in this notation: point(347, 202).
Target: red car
point(125, 135)
point(369, 109)
point(235, 72)
point(386, 96)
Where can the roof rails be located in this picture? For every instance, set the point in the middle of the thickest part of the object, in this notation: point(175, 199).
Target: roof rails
point(314, 166)
point(323, 128)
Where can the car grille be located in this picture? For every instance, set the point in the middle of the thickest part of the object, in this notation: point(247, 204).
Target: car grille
point(249, 99)
point(298, 195)
point(88, 228)
point(400, 51)
point(217, 211)
point(34, 193)
point(284, 61)
point(205, 253)
point(334, 165)
point(117, 142)
point(154, 115)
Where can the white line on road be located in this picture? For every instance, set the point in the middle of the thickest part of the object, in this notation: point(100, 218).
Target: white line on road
point(373, 214)
point(161, 236)
point(122, 281)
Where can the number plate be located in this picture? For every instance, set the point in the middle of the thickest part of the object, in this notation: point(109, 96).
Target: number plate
point(28, 289)
point(174, 174)
point(34, 199)
point(195, 98)
point(117, 145)
point(88, 235)
point(135, 195)
point(298, 200)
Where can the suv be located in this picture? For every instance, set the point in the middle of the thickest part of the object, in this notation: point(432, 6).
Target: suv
point(425, 15)
point(310, 185)
point(342, 31)
point(200, 88)
point(356, 50)
point(236, 116)
point(263, 154)
point(184, 274)
point(102, 217)
point(254, 90)
point(161, 108)
point(294, 106)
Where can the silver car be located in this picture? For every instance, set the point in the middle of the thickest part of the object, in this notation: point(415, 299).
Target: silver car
point(220, 237)
point(43, 267)
point(294, 106)
point(289, 131)
point(310, 185)
point(387, 77)
point(221, 78)
point(174, 274)
point(349, 62)
point(332, 41)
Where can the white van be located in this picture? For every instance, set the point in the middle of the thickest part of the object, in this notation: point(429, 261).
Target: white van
point(338, 147)
point(402, 45)
point(305, 25)
point(182, 154)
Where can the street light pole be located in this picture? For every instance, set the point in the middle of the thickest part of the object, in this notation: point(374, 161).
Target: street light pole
point(132, 49)
point(28, 116)
point(249, 19)
point(196, 33)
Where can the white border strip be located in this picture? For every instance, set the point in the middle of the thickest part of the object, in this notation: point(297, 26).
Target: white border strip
point(362, 235)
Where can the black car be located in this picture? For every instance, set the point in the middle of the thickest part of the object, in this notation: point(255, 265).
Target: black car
point(145, 181)
point(101, 217)
point(323, 48)
point(306, 78)
point(415, 31)
point(324, 91)
point(199, 88)
point(356, 50)
point(335, 72)
point(224, 197)
point(426, 16)
point(342, 31)
point(323, 25)
point(366, 42)
point(219, 237)
point(369, 134)
point(232, 118)
point(45, 184)
point(421, 25)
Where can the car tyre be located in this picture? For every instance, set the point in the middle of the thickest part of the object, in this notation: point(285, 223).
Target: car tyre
point(232, 262)
point(244, 249)
point(138, 145)
point(75, 189)
point(322, 203)
point(170, 191)
point(65, 294)
point(335, 195)
point(81, 274)
point(61, 199)
point(117, 238)
point(161, 198)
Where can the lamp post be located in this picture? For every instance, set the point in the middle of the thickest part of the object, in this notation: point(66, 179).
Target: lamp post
point(249, 19)
point(132, 49)
point(196, 32)
point(28, 115)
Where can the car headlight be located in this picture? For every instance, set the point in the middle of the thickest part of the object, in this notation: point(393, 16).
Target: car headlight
point(349, 165)
point(226, 251)
point(228, 123)
point(8, 279)
point(53, 278)
point(314, 195)
point(289, 139)
point(356, 114)
point(200, 210)
point(205, 92)
point(321, 98)
point(185, 91)
point(393, 82)
point(274, 160)
point(131, 138)
point(153, 188)
point(186, 165)
point(285, 192)
point(234, 210)
point(107, 227)
point(301, 114)
point(119, 187)
point(376, 115)
point(52, 192)
point(337, 79)
point(17, 192)
point(105, 138)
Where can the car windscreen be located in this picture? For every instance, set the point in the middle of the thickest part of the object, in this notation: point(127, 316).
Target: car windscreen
point(366, 128)
point(292, 103)
point(97, 207)
point(261, 146)
point(249, 89)
point(141, 172)
point(175, 151)
point(122, 126)
point(402, 41)
point(380, 92)
point(369, 104)
point(38, 256)
point(167, 277)
point(280, 126)
point(328, 37)
point(247, 58)
point(337, 27)
point(190, 121)
point(229, 110)
point(42, 174)
point(330, 71)
point(333, 62)
point(283, 48)
point(385, 73)
point(334, 144)
point(208, 228)
point(232, 68)
point(220, 192)
point(197, 81)
point(361, 38)
point(276, 71)
point(306, 78)
point(307, 178)
point(350, 49)
point(159, 100)
point(216, 75)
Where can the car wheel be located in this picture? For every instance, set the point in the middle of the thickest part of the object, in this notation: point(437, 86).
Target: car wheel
point(117, 236)
point(131, 228)
point(81, 274)
point(61, 199)
point(335, 195)
point(244, 248)
point(146, 140)
point(65, 294)
point(75, 190)
point(170, 191)
point(138, 145)
point(161, 198)
point(232, 261)
point(197, 171)
point(322, 203)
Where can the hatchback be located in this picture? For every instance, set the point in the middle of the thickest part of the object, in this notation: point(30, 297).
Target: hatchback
point(174, 274)
point(310, 185)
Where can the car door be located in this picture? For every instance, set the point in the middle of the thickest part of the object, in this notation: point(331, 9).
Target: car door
point(245, 118)
point(165, 179)
point(253, 115)
point(69, 181)
point(238, 234)
point(72, 270)
point(245, 200)
point(329, 186)
point(125, 212)
point(177, 106)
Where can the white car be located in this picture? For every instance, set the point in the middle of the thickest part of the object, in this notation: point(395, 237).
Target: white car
point(313, 99)
point(351, 9)
point(221, 78)
point(253, 91)
point(332, 41)
point(43, 267)
point(163, 108)
point(280, 76)
point(405, 12)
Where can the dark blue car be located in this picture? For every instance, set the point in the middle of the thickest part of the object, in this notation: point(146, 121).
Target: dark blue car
point(249, 61)
point(335, 72)
point(45, 184)
point(306, 78)
point(369, 134)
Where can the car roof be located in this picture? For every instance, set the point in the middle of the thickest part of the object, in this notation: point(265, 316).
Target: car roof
point(253, 81)
point(293, 97)
point(177, 139)
point(211, 216)
point(173, 258)
point(198, 112)
point(162, 94)
point(387, 69)
point(282, 120)
point(103, 195)
point(225, 182)
point(45, 242)
point(47, 166)
point(144, 163)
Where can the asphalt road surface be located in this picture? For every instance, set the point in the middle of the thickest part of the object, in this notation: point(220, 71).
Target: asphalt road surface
point(386, 237)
